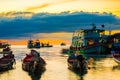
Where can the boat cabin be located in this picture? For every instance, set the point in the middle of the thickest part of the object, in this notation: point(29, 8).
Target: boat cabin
point(86, 37)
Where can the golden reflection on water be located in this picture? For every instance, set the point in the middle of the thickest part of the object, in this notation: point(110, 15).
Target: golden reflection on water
point(15, 74)
point(57, 69)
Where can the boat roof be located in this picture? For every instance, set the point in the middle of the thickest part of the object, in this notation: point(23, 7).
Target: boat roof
point(89, 30)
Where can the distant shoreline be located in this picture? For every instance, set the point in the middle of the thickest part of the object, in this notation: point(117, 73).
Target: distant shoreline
point(55, 41)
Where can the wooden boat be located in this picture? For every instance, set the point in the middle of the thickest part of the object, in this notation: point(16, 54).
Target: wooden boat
point(33, 62)
point(6, 60)
point(116, 58)
point(78, 64)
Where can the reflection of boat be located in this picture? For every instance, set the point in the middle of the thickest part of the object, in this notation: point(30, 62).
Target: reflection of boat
point(30, 44)
point(6, 60)
point(88, 40)
point(63, 44)
point(116, 58)
point(37, 44)
point(116, 67)
point(33, 62)
point(36, 75)
point(78, 63)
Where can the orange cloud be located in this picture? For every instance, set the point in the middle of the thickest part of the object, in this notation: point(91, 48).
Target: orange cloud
point(16, 14)
point(38, 7)
point(47, 5)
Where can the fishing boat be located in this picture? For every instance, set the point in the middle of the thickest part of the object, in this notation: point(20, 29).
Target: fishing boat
point(30, 44)
point(4, 44)
point(46, 45)
point(89, 40)
point(6, 60)
point(37, 44)
point(78, 63)
point(33, 62)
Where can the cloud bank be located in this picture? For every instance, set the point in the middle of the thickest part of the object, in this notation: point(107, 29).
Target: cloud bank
point(18, 24)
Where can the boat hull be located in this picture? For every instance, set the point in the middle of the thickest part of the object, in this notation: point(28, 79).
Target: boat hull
point(30, 46)
point(91, 49)
point(7, 61)
point(78, 64)
point(77, 67)
point(27, 66)
point(8, 65)
point(33, 65)
point(116, 58)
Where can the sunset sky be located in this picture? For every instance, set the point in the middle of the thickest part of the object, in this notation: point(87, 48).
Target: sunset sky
point(22, 19)
point(56, 6)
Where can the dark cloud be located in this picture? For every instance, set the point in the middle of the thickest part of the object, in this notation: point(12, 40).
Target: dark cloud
point(22, 26)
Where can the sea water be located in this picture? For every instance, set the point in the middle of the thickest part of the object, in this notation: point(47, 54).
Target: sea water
point(104, 68)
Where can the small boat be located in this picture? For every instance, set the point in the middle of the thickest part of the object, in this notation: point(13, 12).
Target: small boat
point(116, 58)
point(63, 44)
point(78, 64)
point(33, 62)
point(30, 44)
point(37, 44)
point(6, 60)
point(46, 45)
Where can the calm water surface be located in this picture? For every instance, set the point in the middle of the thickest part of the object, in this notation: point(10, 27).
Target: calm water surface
point(57, 69)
